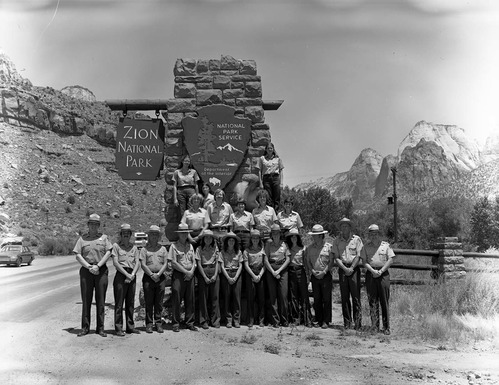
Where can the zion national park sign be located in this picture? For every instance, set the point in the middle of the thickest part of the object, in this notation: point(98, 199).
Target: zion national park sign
point(216, 141)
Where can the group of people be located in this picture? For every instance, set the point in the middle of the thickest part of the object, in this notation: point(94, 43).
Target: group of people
point(268, 264)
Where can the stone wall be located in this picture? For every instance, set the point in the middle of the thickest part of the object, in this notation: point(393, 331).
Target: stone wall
point(204, 82)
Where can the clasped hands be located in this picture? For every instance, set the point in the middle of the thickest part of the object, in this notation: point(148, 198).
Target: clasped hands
point(319, 274)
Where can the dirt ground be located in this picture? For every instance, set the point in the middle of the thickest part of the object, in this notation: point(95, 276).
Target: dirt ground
point(47, 351)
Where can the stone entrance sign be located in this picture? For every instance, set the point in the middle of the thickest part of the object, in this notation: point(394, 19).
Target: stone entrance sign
point(139, 148)
point(216, 141)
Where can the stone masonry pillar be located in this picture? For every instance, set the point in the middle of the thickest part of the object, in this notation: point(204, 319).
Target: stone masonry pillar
point(450, 260)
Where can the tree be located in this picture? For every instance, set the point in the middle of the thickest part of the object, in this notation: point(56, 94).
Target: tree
point(481, 222)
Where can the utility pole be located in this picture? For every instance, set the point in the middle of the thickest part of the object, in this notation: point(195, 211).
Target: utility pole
point(394, 173)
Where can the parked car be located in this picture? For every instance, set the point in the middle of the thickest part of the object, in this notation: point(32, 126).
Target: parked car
point(16, 255)
point(140, 239)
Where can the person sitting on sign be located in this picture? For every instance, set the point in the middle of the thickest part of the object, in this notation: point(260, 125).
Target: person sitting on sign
point(271, 176)
point(185, 184)
point(207, 195)
point(219, 213)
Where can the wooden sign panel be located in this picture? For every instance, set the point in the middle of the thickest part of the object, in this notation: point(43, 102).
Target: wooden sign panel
point(139, 148)
point(216, 141)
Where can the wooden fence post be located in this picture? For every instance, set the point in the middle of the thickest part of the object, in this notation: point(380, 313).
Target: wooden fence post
point(450, 260)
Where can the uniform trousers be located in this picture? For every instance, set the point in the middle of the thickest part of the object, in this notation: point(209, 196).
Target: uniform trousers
point(182, 290)
point(299, 304)
point(322, 292)
point(88, 283)
point(209, 305)
point(278, 297)
point(255, 293)
point(244, 236)
point(154, 294)
point(183, 196)
point(272, 184)
point(124, 293)
point(378, 293)
point(231, 310)
point(350, 287)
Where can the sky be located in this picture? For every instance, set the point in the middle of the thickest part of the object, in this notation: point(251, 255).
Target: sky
point(353, 74)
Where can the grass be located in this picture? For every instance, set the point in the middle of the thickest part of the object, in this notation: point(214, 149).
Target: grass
point(272, 348)
point(248, 339)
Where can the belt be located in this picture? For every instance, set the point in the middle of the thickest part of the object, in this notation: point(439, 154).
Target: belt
point(241, 231)
point(272, 174)
point(209, 265)
point(186, 186)
point(223, 227)
point(295, 268)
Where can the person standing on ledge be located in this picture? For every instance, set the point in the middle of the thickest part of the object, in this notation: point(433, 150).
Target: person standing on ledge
point(378, 257)
point(271, 176)
point(92, 252)
point(185, 184)
point(347, 247)
point(219, 213)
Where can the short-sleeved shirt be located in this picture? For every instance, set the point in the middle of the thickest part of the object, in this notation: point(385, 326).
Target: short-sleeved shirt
point(289, 221)
point(244, 221)
point(347, 249)
point(208, 201)
point(154, 260)
point(277, 253)
point(219, 215)
point(184, 258)
point(264, 217)
point(296, 257)
point(318, 258)
point(92, 250)
point(125, 258)
point(231, 261)
point(254, 258)
point(270, 166)
point(189, 179)
point(196, 220)
point(375, 255)
point(208, 255)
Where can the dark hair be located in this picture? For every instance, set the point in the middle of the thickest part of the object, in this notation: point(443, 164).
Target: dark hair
point(182, 162)
point(289, 200)
point(226, 244)
point(262, 193)
point(299, 242)
point(202, 243)
point(275, 155)
point(209, 187)
point(260, 243)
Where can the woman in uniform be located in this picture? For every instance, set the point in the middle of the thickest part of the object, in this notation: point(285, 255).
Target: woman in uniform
point(232, 266)
point(271, 176)
point(126, 260)
point(185, 183)
point(92, 252)
point(276, 261)
point(153, 260)
point(208, 258)
point(183, 261)
point(253, 258)
point(196, 218)
point(241, 223)
point(264, 215)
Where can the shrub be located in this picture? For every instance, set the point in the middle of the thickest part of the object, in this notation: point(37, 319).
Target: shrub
point(56, 246)
point(248, 339)
point(68, 209)
point(271, 348)
point(71, 199)
point(144, 191)
point(129, 201)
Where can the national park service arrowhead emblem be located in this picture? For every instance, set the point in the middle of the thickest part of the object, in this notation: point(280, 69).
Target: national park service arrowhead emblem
point(217, 142)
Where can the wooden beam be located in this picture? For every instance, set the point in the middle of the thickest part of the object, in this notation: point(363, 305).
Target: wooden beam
point(161, 104)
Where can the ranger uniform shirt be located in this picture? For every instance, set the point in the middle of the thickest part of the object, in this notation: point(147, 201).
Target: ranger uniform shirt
point(377, 256)
point(125, 258)
point(184, 258)
point(318, 258)
point(154, 260)
point(347, 249)
point(92, 250)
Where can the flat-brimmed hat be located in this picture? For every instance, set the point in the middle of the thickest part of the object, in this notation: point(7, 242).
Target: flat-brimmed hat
point(230, 234)
point(317, 230)
point(373, 228)
point(275, 227)
point(125, 227)
point(94, 218)
point(292, 232)
point(241, 200)
point(255, 233)
point(154, 229)
point(344, 221)
point(183, 228)
point(206, 233)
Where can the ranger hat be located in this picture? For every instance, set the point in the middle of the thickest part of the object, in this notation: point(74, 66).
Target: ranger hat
point(255, 233)
point(317, 230)
point(125, 227)
point(154, 229)
point(344, 221)
point(292, 232)
point(230, 234)
point(206, 233)
point(183, 228)
point(94, 218)
point(275, 227)
point(373, 228)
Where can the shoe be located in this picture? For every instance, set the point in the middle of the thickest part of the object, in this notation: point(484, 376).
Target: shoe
point(325, 326)
point(192, 328)
point(149, 329)
point(261, 324)
point(237, 325)
point(317, 326)
point(101, 333)
point(216, 326)
point(229, 326)
point(386, 332)
point(285, 325)
point(250, 325)
point(205, 326)
point(133, 331)
point(83, 332)
point(159, 328)
point(308, 325)
point(176, 329)
point(120, 333)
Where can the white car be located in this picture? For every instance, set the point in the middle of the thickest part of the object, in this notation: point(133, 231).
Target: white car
point(140, 239)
